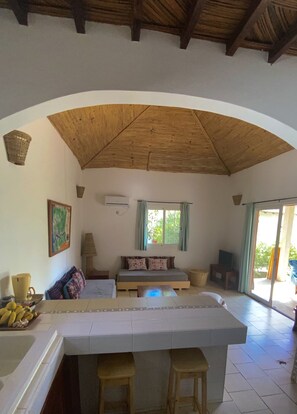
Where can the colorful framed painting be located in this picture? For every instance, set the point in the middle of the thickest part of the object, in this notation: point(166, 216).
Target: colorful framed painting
point(59, 226)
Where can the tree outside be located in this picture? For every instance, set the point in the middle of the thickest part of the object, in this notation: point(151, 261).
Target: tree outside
point(156, 220)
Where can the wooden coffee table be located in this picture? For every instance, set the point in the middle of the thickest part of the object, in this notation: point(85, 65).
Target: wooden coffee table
point(155, 291)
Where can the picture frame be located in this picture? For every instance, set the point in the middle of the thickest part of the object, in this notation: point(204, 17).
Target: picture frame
point(59, 227)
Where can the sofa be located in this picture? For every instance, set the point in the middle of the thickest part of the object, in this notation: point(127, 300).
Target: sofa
point(73, 285)
point(150, 271)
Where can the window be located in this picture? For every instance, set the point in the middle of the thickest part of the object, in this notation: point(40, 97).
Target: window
point(163, 224)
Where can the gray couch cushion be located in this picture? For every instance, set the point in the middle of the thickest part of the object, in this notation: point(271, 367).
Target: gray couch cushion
point(99, 289)
point(173, 275)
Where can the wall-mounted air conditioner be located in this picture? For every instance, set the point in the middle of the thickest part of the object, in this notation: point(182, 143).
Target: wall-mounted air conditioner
point(117, 201)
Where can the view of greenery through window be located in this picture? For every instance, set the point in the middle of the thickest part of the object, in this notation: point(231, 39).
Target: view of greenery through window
point(163, 226)
point(263, 254)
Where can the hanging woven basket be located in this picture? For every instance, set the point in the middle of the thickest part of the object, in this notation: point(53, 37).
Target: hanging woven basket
point(80, 191)
point(17, 144)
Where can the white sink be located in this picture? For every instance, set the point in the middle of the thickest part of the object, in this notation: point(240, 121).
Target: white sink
point(21, 354)
point(13, 350)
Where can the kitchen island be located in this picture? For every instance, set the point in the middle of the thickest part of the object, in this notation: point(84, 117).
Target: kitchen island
point(149, 327)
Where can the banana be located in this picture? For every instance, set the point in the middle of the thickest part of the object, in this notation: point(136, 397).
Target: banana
point(11, 306)
point(11, 319)
point(27, 313)
point(18, 309)
point(5, 317)
point(2, 311)
point(29, 316)
point(20, 315)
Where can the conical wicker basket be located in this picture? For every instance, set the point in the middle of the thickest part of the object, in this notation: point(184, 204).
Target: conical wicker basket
point(80, 191)
point(17, 144)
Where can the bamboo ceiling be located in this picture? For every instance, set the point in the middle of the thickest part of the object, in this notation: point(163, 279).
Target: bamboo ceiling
point(268, 25)
point(168, 139)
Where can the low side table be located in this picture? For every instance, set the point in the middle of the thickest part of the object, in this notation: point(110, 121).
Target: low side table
point(98, 274)
point(155, 291)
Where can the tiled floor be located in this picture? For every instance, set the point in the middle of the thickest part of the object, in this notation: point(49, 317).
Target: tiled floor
point(258, 375)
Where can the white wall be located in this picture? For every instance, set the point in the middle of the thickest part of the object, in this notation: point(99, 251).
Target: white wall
point(50, 172)
point(269, 180)
point(48, 59)
point(114, 234)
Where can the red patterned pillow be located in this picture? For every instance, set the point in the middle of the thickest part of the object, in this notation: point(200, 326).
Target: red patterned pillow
point(137, 264)
point(79, 280)
point(72, 289)
point(82, 276)
point(157, 264)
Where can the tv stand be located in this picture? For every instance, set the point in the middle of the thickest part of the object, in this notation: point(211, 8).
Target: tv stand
point(224, 276)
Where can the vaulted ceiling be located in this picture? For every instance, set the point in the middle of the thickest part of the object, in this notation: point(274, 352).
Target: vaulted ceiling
point(268, 25)
point(155, 138)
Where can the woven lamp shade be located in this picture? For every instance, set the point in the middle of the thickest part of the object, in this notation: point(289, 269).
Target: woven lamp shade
point(89, 248)
point(17, 144)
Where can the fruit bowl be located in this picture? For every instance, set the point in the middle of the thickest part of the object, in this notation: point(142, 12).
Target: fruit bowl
point(16, 316)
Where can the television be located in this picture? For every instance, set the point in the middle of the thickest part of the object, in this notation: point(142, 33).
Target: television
point(226, 259)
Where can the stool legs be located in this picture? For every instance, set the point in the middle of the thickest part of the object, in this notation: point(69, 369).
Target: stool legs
point(195, 393)
point(131, 395)
point(101, 397)
point(204, 393)
point(176, 393)
point(174, 398)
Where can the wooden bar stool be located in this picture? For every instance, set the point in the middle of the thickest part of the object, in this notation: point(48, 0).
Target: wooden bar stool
point(187, 363)
point(116, 370)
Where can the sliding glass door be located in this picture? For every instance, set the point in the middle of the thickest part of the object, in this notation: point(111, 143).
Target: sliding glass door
point(273, 249)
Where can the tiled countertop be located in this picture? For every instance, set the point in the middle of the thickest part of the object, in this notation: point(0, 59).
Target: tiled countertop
point(120, 325)
point(140, 324)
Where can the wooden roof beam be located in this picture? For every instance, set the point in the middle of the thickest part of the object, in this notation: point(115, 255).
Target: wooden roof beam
point(19, 7)
point(78, 15)
point(283, 44)
point(191, 23)
point(255, 10)
point(136, 22)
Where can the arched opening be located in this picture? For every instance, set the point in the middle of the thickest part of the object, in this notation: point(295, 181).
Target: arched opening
point(90, 98)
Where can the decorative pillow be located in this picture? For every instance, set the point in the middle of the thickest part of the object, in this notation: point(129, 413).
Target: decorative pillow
point(72, 289)
point(82, 276)
point(79, 280)
point(55, 292)
point(124, 260)
point(137, 264)
point(157, 264)
point(170, 260)
point(67, 276)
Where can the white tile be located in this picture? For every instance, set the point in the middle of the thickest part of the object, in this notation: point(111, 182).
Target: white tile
point(277, 352)
point(236, 382)
point(223, 408)
point(111, 343)
point(250, 370)
point(248, 401)
point(111, 327)
point(290, 390)
point(280, 404)
point(148, 315)
point(279, 376)
point(190, 339)
point(75, 329)
point(264, 386)
point(230, 368)
point(77, 345)
point(266, 362)
point(226, 396)
point(238, 356)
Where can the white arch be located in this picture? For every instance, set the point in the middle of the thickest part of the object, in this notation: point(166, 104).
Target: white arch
point(91, 98)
